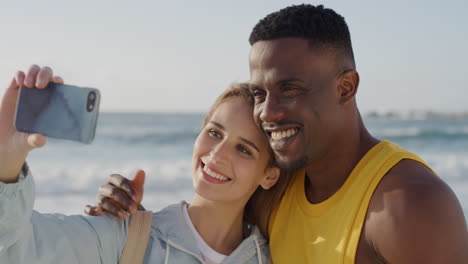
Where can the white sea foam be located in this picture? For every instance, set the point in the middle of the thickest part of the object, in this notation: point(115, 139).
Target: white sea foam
point(68, 187)
point(84, 177)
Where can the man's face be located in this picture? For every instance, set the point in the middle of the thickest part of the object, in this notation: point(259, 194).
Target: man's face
point(296, 99)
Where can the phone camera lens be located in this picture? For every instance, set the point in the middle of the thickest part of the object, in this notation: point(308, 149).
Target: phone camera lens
point(92, 96)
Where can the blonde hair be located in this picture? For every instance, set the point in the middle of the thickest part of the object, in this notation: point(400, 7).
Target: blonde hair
point(262, 202)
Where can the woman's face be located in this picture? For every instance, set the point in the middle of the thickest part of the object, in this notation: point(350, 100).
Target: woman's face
point(231, 154)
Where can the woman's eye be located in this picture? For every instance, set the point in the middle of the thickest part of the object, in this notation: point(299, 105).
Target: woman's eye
point(214, 133)
point(244, 150)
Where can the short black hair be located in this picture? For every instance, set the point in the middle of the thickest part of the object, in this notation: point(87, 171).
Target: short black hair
point(323, 27)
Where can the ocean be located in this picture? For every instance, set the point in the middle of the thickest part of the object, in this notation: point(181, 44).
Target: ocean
point(68, 174)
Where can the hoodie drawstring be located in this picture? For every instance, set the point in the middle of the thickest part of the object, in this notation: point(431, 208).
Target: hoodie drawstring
point(166, 259)
point(259, 253)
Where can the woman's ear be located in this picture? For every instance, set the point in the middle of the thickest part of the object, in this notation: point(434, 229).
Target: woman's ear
point(271, 177)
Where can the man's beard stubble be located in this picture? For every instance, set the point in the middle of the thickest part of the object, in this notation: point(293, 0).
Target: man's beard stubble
point(294, 165)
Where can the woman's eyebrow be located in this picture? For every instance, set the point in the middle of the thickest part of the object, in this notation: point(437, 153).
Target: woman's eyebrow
point(218, 125)
point(250, 143)
point(246, 141)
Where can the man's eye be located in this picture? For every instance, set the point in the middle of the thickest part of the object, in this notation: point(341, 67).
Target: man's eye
point(290, 91)
point(259, 95)
point(214, 133)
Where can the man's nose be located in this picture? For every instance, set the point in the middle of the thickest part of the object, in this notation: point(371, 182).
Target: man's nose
point(272, 110)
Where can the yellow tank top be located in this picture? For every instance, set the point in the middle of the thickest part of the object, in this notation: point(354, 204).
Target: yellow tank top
point(328, 232)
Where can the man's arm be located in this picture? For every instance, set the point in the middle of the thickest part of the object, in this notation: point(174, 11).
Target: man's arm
point(414, 217)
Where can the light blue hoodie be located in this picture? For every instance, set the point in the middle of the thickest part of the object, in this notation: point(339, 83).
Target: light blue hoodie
point(27, 236)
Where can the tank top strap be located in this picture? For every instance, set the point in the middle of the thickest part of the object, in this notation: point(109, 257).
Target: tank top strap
point(383, 161)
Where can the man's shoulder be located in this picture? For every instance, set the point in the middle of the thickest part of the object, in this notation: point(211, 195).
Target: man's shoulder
point(413, 208)
point(410, 189)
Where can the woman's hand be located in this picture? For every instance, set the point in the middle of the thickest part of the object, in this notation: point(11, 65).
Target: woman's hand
point(15, 145)
point(119, 196)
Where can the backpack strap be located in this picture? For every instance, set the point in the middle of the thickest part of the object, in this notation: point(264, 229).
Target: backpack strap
point(137, 239)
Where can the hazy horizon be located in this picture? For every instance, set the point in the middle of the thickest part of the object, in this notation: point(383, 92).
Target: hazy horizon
point(153, 56)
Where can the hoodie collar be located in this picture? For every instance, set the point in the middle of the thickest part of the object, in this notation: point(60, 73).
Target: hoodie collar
point(170, 226)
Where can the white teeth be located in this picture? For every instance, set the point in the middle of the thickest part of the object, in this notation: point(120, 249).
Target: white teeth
point(284, 134)
point(214, 174)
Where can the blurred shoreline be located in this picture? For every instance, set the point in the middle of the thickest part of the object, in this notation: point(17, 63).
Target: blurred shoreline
point(415, 114)
point(388, 114)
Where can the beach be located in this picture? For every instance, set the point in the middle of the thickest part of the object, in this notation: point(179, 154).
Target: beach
point(68, 174)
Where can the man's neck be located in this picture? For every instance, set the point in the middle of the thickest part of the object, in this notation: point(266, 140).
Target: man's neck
point(325, 176)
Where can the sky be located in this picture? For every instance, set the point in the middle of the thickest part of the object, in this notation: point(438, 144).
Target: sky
point(177, 56)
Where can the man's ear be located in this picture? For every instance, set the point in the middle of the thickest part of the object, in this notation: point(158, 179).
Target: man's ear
point(271, 177)
point(348, 86)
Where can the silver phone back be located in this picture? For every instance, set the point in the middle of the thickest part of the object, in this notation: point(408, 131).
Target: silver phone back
point(58, 111)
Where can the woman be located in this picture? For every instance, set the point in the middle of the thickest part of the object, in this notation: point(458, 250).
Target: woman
point(232, 166)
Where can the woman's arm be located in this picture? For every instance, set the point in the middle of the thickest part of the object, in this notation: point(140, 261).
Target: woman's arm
point(27, 236)
point(15, 145)
point(30, 237)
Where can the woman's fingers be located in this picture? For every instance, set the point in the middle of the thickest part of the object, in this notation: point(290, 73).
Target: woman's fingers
point(119, 197)
point(36, 140)
point(19, 79)
point(44, 76)
point(57, 79)
point(31, 76)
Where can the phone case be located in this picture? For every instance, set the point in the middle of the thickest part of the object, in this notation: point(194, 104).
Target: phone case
point(58, 111)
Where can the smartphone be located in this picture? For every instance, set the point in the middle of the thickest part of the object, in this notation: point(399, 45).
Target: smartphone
point(59, 111)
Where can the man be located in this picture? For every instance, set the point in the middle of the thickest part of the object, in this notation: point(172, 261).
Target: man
point(353, 199)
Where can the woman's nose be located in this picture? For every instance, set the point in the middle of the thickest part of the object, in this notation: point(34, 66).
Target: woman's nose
point(220, 153)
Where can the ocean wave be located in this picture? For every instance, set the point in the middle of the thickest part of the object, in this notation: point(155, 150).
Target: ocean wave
point(169, 137)
point(451, 167)
point(86, 177)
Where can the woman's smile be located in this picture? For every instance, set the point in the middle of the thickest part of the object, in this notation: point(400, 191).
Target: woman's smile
point(212, 175)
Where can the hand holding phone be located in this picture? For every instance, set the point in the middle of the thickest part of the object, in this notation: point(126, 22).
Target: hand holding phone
point(59, 111)
point(15, 145)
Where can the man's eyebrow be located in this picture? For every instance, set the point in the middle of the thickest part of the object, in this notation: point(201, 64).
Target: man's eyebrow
point(280, 82)
point(288, 80)
point(250, 143)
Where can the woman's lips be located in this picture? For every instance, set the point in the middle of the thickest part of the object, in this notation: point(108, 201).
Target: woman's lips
point(213, 176)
